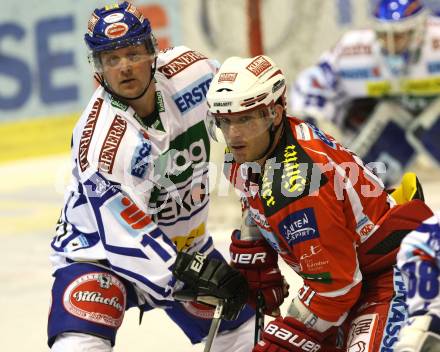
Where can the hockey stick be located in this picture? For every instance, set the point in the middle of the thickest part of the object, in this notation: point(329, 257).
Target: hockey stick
point(216, 319)
point(259, 318)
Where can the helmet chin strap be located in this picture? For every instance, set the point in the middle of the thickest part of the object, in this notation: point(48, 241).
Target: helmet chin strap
point(100, 79)
point(272, 132)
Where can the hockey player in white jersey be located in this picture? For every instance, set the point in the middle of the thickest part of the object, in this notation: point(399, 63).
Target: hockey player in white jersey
point(419, 261)
point(379, 87)
point(139, 194)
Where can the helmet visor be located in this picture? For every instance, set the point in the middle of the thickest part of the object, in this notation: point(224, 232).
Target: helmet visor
point(395, 43)
point(138, 52)
point(253, 123)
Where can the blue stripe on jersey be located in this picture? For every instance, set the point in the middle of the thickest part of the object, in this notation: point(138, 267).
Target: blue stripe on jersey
point(149, 240)
point(207, 246)
point(127, 251)
point(429, 228)
point(157, 232)
point(99, 197)
point(81, 200)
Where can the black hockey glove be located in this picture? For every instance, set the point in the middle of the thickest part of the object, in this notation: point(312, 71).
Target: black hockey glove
point(211, 281)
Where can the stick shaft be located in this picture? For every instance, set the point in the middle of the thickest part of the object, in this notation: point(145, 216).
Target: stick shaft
point(216, 319)
point(259, 318)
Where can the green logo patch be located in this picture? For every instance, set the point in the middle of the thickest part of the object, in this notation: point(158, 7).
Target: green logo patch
point(118, 104)
point(159, 102)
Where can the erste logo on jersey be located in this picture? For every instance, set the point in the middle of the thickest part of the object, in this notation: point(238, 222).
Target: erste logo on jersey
point(180, 63)
point(129, 215)
point(192, 95)
point(299, 226)
point(97, 297)
point(132, 215)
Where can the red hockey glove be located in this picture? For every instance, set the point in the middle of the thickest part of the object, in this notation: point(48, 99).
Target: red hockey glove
point(258, 262)
point(288, 335)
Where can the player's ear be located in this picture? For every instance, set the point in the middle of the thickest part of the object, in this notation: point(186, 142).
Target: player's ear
point(279, 112)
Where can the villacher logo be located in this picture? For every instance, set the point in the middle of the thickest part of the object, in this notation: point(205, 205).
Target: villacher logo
point(86, 298)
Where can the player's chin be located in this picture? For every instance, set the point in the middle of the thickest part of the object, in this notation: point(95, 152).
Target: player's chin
point(240, 154)
point(130, 92)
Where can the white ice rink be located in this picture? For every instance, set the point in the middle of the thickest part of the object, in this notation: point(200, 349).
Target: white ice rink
point(31, 194)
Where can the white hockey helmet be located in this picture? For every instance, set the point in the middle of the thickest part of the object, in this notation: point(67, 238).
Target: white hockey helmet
point(246, 84)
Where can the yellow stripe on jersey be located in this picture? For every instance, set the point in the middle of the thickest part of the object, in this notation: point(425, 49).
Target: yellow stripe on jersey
point(185, 241)
point(424, 87)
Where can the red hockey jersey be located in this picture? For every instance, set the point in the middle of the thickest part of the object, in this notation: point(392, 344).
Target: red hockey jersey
point(321, 210)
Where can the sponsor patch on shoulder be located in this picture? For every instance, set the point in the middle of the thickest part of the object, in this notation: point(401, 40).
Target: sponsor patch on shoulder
point(180, 63)
point(87, 134)
point(303, 132)
point(111, 144)
point(192, 95)
point(299, 226)
point(97, 297)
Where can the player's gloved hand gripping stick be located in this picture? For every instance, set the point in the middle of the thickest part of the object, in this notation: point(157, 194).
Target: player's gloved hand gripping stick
point(212, 282)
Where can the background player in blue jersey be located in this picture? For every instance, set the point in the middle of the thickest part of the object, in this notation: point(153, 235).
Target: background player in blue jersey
point(377, 89)
point(139, 194)
point(419, 261)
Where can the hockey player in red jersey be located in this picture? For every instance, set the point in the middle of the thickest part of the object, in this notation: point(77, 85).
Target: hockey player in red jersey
point(310, 200)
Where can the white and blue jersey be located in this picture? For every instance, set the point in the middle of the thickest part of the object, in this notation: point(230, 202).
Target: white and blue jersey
point(419, 261)
point(355, 69)
point(139, 188)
